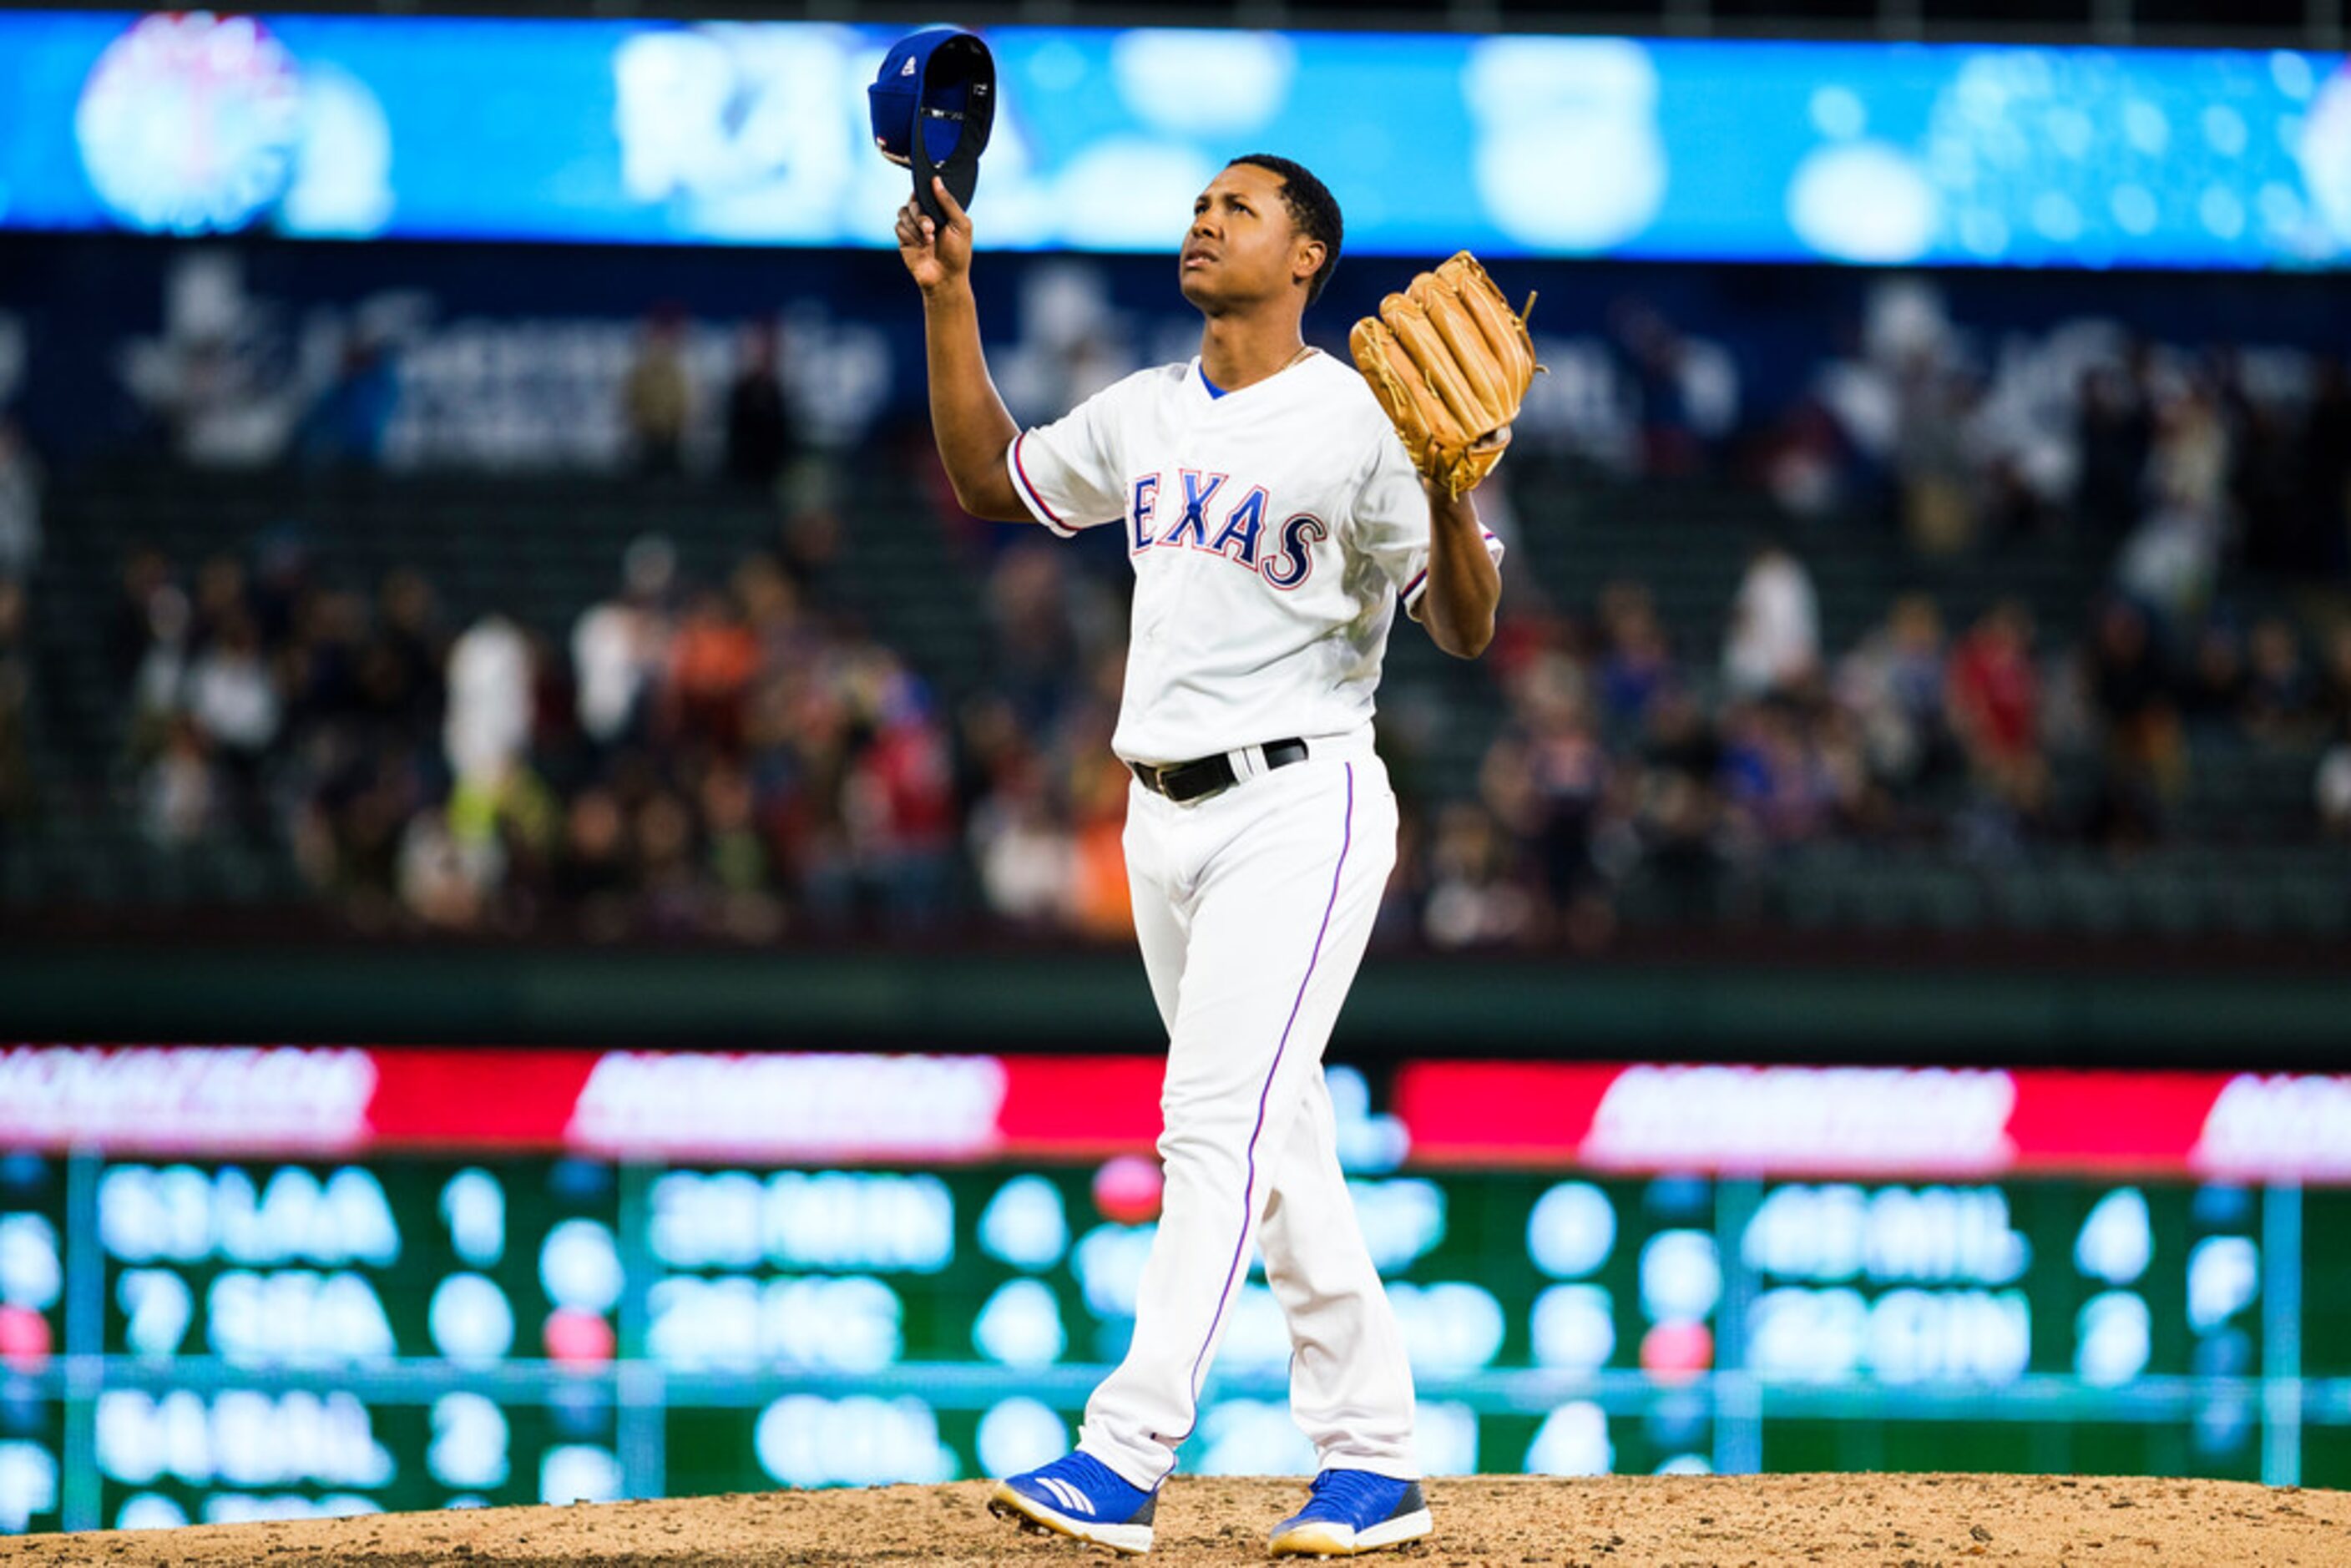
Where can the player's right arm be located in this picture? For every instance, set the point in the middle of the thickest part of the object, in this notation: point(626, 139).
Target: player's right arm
point(968, 420)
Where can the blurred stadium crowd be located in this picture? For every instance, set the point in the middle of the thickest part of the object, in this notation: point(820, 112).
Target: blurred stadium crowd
point(732, 755)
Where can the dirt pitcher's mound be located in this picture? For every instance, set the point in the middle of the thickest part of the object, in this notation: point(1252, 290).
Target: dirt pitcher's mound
point(1620, 1522)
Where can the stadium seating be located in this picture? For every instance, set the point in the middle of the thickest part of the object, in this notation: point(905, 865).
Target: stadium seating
point(2238, 853)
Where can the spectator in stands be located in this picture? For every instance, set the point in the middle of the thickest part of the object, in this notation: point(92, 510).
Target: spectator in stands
point(346, 426)
point(178, 797)
point(2332, 788)
point(673, 898)
point(488, 728)
point(1773, 642)
point(280, 584)
point(1808, 464)
point(2264, 504)
point(2213, 691)
point(504, 826)
point(1035, 642)
point(1772, 775)
point(159, 680)
point(712, 659)
point(1547, 776)
point(992, 747)
point(796, 740)
point(1681, 741)
point(1025, 853)
point(2144, 748)
point(1636, 667)
point(2172, 559)
point(1677, 831)
point(656, 398)
point(2281, 699)
point(1688, 391)
point(1103, 911)
point(1941, 473)
point(320, 667)
point(349, 835)
point(591, 879)
point(500, 817)
point(1892, 682)
point(775, 610)
point(412, 689)
point(233, 698)
point(1993, 700)
point(736, 861)
point(620, 647)
point(900, 796)
point(808, 545)
point(759, 427)
point(145, 574)
point(442, 879)
point(219, 596)
point(1473, 899)
point(2129, 684)
point(20, 504)
point(2112, 433)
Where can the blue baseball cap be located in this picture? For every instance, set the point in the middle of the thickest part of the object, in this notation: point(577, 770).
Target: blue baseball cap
point(933, 103)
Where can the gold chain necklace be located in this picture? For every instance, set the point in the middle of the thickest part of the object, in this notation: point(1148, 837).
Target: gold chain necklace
point(1303, 350)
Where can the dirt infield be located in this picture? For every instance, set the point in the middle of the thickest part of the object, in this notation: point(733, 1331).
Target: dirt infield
point(1901, 1521)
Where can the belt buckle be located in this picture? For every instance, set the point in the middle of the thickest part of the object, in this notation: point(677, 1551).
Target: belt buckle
point(1191, 772)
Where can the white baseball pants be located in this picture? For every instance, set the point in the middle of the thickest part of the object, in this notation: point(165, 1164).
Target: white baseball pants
point(1252, 908)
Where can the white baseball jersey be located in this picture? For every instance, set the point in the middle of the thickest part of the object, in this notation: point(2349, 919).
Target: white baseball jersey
point(1272, 530)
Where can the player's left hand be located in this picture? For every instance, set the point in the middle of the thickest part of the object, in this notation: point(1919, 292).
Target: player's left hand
point(1483, 454)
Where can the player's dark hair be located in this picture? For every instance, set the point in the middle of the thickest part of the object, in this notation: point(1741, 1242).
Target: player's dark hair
point(1312, 208)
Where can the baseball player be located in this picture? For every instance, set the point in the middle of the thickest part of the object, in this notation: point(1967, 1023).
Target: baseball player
point(1274, 520)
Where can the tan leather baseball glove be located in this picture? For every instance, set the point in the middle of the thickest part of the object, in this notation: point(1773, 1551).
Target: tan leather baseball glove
point(1450, 361)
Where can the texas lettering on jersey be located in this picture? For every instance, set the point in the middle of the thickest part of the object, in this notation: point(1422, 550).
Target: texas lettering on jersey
point(1288, 558)
point(1295, 483)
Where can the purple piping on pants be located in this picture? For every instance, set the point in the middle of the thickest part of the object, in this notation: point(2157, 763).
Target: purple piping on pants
point(1249, 1186)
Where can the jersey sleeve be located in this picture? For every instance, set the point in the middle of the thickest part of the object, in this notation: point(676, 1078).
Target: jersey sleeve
point(1392, 522)
point(1068, 473)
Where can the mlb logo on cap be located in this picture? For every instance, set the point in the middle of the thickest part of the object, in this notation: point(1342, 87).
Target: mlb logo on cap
point(933, 103)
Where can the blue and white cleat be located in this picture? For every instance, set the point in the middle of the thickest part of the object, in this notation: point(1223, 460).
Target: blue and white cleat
point(1352, 1511)
point(1080, 1497)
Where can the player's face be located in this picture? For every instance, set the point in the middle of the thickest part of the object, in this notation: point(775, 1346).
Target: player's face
point(1242, 246)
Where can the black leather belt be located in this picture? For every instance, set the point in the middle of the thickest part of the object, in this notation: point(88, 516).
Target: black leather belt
point(1181, 781)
